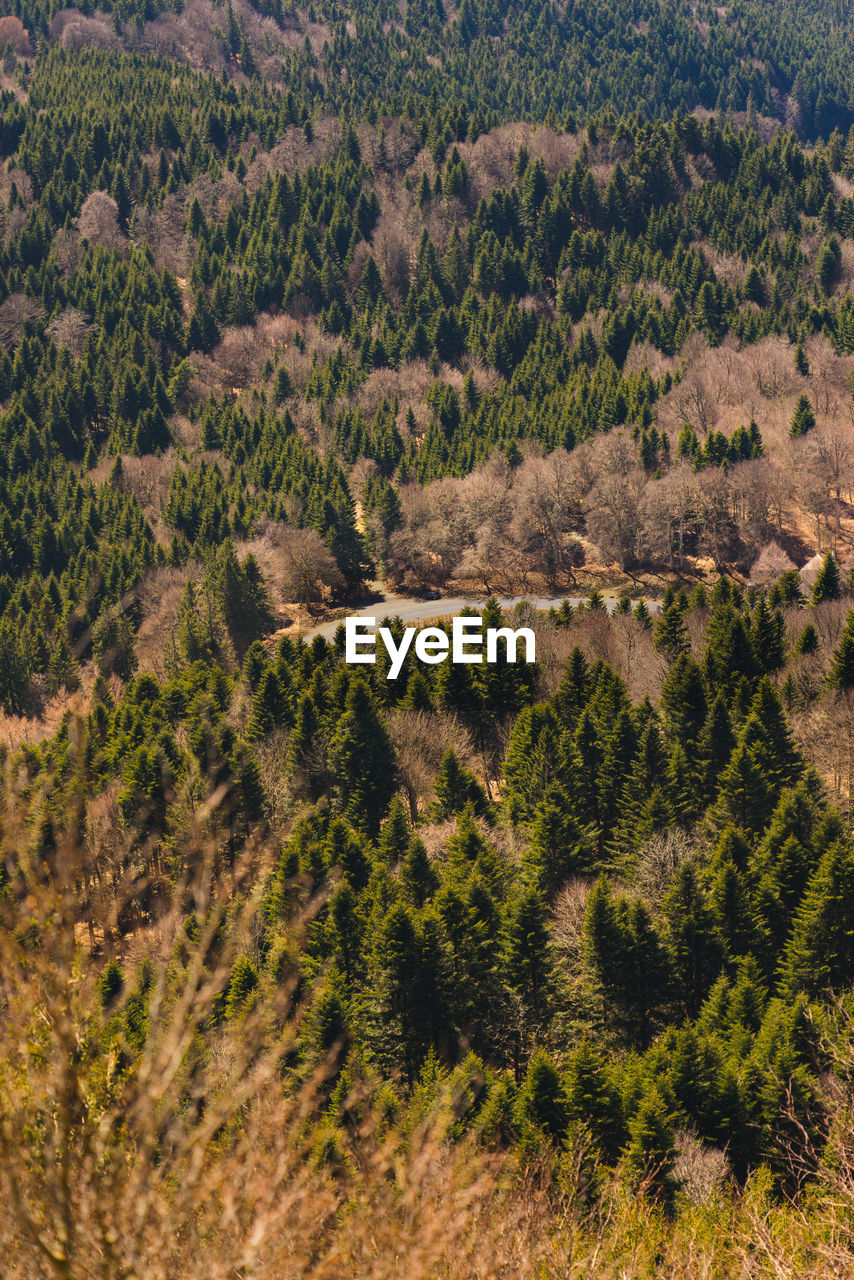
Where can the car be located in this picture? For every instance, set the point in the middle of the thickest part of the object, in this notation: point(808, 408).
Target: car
point(432, 595)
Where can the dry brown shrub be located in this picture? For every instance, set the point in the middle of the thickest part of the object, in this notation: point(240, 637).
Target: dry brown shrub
point(149, 479)
point(213, 1163)
point(567, 920)
point(703, 1171)
point(420, 740)
point(771, 562)
point(164, 230)
point(658, 862)
point(296, 564)
point(159, 596)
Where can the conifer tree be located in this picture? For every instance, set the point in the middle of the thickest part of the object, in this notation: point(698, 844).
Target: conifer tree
point(527, 955)
point(269, 706)
point(827, 585)
point(541, 1104)
point(695, 956)
point(417, 876)
point(346, 928)
point(573, 692)
point(671, 636)
point(807, 642)
point(803, 419)
point(455, 788)
point(820, 954)
point(305, 750)
point(559, 847)
point(767, 636)
point(591, 1099)
point(394, 834)
point(683, 701)
point(362, 760)
point(650, 1153)
point(745, 796)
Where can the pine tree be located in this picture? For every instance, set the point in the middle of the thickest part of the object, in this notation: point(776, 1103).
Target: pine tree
point(650, 1153)
point(803, 419)
point(527, 955)
point(695, 955)
point(683, 701)
point(541, 1103)
point(417, 876)
point(394, 834)
point(819, 957)
point(827, 585)
point(362, 760)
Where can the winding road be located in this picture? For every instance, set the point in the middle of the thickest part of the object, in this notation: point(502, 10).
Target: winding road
point(410, 609)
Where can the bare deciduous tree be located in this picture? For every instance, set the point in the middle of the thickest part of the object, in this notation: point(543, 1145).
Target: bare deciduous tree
point(614, 515)
point(70, 329)
point(16, 312)
point(99, 221)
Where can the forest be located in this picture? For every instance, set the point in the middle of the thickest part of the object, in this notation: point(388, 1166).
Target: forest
point(535, 969)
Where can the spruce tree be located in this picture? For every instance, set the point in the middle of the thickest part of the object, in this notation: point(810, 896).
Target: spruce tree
point(650, 1153)
point(306, 757)
point(803, 419)
point(695, 956)
point(527, 955)
point(827, 585)
point(417, 876)
point(819, 957)
point(671, 636)
point(768, 636)
point(362, 760)
point(394, 834)
point(592, 1100)
point(455, 788)
point(683, 701)
point(541, 1103)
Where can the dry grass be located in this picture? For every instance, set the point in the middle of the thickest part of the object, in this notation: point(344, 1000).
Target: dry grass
point(205, 1152)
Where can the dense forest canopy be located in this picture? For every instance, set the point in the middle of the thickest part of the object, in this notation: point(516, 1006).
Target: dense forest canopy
point(301, 304)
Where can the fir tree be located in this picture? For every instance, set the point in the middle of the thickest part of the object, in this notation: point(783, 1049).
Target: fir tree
point(394, 834)
point(417, 876)
point(820, 954)
point(827, 585)
point(803, 419)
point(541, 1103)
point(362, 760)
point(650, 1153)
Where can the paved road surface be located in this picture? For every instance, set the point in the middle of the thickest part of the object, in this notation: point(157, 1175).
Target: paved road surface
point(409, 609)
